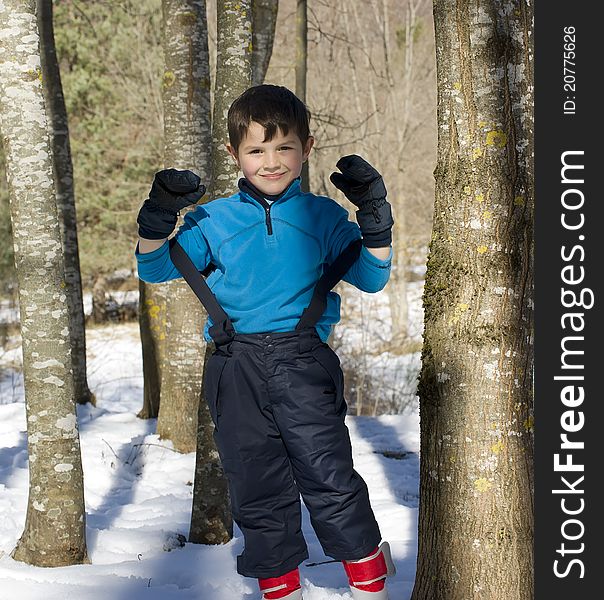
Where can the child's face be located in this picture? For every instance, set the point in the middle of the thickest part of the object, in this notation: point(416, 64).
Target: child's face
point(270, 166)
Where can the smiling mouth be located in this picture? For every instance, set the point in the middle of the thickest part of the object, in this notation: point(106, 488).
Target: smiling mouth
point(273, 175)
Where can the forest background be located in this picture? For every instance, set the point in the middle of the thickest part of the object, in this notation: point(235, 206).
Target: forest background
point(371, 89)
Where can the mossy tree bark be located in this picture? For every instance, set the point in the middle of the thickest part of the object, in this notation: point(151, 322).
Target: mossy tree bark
point(149, 313)
point(55, 525)
point(476, 480)
point(152, 323)
point(63, 177)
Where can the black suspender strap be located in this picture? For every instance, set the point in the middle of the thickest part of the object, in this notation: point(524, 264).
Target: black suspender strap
point(332, 275)
point(222, 330)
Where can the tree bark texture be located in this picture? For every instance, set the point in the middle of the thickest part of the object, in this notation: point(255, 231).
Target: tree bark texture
point(187, 145)
point(54, 533)
point(302, 70)
point(149, 313)
point(63, 176)
point(153, 300)
point(264, 22)
point(233, 77)
point(211, 519)
point(476, 480)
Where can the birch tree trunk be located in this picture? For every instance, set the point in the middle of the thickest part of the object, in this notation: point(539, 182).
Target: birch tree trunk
point(186, 102)
point(476, 507)
point(302, 70)
point(264, 22)
point(211, 521)
point(54, 533)
point(63, 176)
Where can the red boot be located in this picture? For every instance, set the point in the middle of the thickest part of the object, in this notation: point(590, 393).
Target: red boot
point(367, 576)
point(284, 587)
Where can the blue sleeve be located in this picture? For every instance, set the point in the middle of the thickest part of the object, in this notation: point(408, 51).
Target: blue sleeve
point(157, 266)
point(368, 273)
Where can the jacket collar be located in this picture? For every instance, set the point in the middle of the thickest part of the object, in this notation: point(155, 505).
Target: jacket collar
point(249, 192)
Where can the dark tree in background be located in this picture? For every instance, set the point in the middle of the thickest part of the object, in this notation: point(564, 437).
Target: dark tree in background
point(63, 176)
point(264, 22)
point(476, 480)
point(302, 68)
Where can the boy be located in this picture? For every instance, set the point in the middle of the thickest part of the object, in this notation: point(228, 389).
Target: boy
point(275, 388)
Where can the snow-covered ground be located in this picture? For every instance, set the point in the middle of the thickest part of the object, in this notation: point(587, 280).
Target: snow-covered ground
point(138, 494)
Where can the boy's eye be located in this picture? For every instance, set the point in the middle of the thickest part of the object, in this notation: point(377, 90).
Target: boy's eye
point(255, 151)
point(285, 148)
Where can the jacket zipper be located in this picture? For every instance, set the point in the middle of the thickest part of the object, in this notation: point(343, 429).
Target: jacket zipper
point(269, 225)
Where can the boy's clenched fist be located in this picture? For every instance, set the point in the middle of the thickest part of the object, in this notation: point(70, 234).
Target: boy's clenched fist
point(172, 190)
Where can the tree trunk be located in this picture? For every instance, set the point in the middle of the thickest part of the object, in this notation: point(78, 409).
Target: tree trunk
point(397, 284)
point(99, 300)
point(149, 313)
point(54, 533)
point(301, 70)
point(186, 104)
point(264, 21)
point(233, 77)
point(211, 521)
point(153, 300)
point(371, 99)
point(476, 508)
point(63, 176)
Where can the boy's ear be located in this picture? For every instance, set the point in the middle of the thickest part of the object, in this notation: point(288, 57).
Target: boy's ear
point(310, 142)
point(233, 153)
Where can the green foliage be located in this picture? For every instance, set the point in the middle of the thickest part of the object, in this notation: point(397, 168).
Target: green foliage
point(111, 63)
point(111, 68)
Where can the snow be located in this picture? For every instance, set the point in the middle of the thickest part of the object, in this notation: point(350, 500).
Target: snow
point(138, 494)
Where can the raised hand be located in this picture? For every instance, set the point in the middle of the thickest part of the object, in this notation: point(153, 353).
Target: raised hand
point(363, 185)
point(171, 191)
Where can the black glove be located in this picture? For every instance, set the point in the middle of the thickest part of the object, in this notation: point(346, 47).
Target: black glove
point(364, 187)
point(171, 191)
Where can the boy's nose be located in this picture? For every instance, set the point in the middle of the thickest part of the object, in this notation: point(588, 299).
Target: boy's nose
point(271, 161)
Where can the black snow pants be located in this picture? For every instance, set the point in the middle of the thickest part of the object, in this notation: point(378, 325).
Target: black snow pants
point(277, 402)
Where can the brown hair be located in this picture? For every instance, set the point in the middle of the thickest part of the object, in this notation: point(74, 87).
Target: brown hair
point(272, 106)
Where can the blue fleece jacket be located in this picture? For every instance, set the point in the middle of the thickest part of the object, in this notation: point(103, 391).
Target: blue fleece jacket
point(268, 258)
